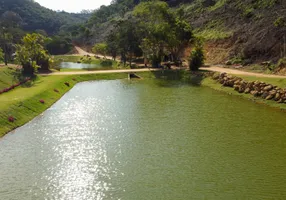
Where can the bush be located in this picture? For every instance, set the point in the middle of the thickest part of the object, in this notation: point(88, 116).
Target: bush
point(280, 22)
point(106, 63)
point(197, 57)
point(1, 55)
point(282, 62)
point(59, 46)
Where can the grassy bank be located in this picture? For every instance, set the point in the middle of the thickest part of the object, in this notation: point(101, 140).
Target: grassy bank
point(23, 103)
point(209, 82)
point(9, 76)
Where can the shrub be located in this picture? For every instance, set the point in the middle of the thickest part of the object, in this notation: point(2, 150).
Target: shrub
point(1, 55)
point(197, 57)
point(42, 101)
point(106, 63)
point(67, 84)
point(55, 90)
point(280, 22)
point(15, 85)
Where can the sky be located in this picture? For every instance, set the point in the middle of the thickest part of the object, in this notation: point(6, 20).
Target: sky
point(73, 5)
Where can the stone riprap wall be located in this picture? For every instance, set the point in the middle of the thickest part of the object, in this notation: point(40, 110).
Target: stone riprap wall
point(256, 88)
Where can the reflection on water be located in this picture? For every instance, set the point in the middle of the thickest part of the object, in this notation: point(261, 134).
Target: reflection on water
point(124, 140)
point(72, 65)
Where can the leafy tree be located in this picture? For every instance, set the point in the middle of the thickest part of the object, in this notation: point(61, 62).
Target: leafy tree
point(59, 45)
point(1, 55)
point(112, 44)
point(125, 40)
point(152, 20)
point(197, 57)
point(32, 54)
point(6, 42)
point(9, 22)
point(100, 48)
point(163, 32)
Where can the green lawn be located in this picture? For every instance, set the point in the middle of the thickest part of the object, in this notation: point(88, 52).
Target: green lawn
point(280, 82)
point(9, 76)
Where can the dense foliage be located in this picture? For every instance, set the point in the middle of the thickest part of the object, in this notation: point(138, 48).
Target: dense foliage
point(197, 57)
point(32, 55)
point(100, 48)
point(32, 16)
point(152, 30)
point(1, 55)
point(59, 45)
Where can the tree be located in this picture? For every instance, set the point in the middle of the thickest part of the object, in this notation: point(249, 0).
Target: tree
point(59, 45)
point(112, 44)
point(125, 40)
point(100, 48)
point(154, 27)
point(1, 55)
point(9, 22)
point(6, 42)
point(197, 57)
point(162, 30)
point(32, 54)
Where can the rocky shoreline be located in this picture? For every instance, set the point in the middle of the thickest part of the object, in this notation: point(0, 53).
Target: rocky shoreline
point(256, 88)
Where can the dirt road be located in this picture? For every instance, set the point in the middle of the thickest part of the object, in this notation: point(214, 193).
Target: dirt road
point(82, 52)
point(101, 72)
point(213, 68)
point(238, 72)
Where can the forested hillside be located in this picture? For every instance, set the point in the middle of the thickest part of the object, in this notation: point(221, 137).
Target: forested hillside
point(19, 17)
point(243, 31)
point(239, 31)
point(32, 16)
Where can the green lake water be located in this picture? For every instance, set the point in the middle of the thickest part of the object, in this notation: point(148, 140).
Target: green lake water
point(146, 140)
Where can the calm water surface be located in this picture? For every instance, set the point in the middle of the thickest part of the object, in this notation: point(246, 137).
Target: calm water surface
point(146, 140)
point(71, 65)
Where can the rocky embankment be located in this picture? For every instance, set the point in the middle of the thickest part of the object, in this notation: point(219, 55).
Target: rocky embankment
point(256, 88)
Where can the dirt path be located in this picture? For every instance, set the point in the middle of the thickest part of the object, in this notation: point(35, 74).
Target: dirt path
point(238, 72)
point(101, 72)
point(213, 68)
point(82, 52)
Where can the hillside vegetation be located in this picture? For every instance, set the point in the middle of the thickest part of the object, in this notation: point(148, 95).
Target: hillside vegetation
point(32, 16)
point(239, 31)
point(245, 30)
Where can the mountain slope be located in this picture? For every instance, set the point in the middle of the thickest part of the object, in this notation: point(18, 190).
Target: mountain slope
point(247, 30)
point(34, 16)
point(241, 30)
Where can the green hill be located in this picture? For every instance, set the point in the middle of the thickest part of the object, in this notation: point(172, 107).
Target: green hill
point(33, 16)
point(241, 30)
